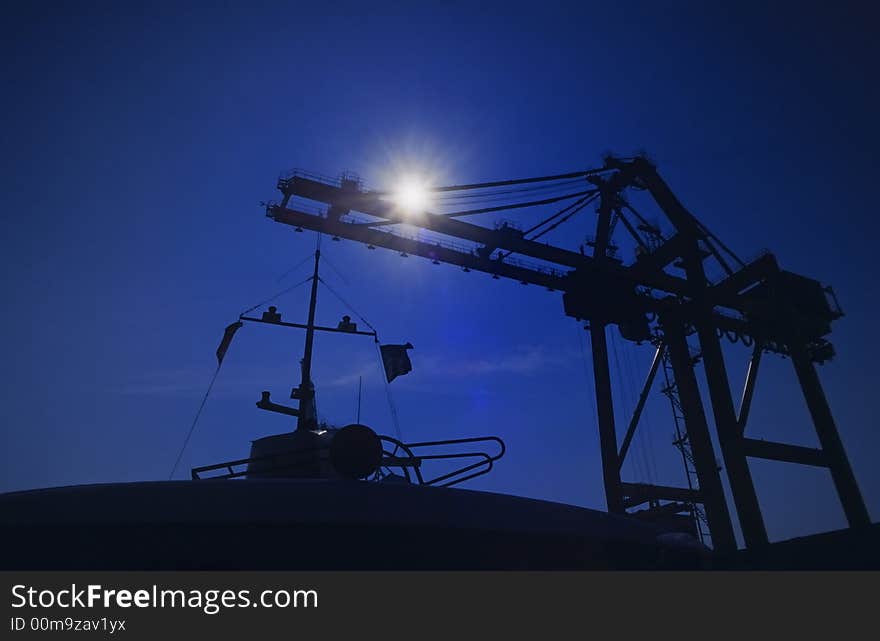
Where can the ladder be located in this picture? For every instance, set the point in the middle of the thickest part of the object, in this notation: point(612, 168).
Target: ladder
point(680, 441)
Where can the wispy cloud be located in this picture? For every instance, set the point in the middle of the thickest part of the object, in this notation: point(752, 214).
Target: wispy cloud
point(367, 371)
point(170, 382)
point(194, 382)
point(522, 359)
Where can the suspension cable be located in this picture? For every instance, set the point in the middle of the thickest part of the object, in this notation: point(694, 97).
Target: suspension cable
point(452, 196)
point(503, 183)
point(625, 397)
point(533, 203)
point(645, 431)
point(578, 206)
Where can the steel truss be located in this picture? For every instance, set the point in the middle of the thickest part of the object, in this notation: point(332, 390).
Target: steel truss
point(756, 303)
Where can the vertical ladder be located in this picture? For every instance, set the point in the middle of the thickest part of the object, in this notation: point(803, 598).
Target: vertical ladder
point(680, 441)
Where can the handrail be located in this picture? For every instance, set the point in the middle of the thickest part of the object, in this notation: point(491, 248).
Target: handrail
point(487, 460)
point(311, 455)
point(228, 464)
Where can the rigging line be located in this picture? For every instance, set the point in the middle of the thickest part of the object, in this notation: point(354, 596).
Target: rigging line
point(641, 218)
point(501, 192)
point(295, 267)
point(487, 199)
point(650, 436)
point(508, 192)
point(578, 205)
point(518, 181)
point(195, 421)
point(702, 227)
point(350, 308)
point(485, 210)
point(281, 293)
point(644, 435)
point(334, 268)
point(534, 203)
point(720, 244)
point(613, 225)
point(581, 342)
point(632, 230)
point(556, 215)
point(634, 392)
point(717, 254)
point(624, 401)
point(588, 200)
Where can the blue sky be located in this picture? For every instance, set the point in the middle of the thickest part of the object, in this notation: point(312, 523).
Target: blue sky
point(139, 141)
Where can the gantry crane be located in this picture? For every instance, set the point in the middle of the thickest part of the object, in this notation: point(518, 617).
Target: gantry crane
point(756, 303)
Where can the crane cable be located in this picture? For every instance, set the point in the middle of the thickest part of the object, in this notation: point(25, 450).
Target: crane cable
point(504, 183)
point(567, 212)
point(500, 194)
point(587, 375)
point(520, 181)
point(533, 203)
point(646, 430)
point(578, 205)
point(625, 397)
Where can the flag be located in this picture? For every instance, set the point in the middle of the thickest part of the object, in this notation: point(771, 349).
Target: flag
point(395, 360)
point(227, 339)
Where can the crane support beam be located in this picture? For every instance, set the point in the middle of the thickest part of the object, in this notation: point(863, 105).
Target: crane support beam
point(372, 205)
point(745, 404)
point(786, 453)
point(669, 509)
point(742, 486)
point(602, 372)
point(643, 171)
point(779, 311)
point(841, 472)
point(550, 279)
point(730, 438)
point(605, 412)
point(432, 251)
point(756, 271)
point(637, 493)
point(661, 257)
point(717, 513)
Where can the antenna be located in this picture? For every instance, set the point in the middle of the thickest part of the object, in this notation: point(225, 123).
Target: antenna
point(360, 384)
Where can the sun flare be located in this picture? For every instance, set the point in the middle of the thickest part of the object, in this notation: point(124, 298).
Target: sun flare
point(412, 196)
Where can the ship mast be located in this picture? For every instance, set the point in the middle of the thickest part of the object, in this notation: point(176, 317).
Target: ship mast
point(308, 414)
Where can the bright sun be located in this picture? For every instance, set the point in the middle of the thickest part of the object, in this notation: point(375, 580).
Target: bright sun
point(412, 196)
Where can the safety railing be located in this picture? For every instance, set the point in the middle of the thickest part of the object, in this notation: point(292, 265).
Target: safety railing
point(395, 455)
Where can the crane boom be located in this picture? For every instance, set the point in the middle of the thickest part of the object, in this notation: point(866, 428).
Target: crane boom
point(758, 304)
